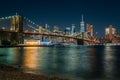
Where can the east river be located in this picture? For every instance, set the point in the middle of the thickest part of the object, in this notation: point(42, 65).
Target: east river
point(71, 62)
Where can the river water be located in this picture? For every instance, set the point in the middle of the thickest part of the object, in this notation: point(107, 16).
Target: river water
point(73, 62)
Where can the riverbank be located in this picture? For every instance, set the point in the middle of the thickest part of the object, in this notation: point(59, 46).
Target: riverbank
point(12, 73)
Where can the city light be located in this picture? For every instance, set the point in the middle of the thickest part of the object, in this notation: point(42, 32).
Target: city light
point(69, 35)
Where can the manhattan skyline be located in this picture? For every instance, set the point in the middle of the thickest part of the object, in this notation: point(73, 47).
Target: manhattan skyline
point(63, 13)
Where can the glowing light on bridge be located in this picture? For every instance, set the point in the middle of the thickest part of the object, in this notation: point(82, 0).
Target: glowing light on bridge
point(28, 27)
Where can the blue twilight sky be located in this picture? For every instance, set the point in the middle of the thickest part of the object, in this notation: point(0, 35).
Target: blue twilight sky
point(64, 13)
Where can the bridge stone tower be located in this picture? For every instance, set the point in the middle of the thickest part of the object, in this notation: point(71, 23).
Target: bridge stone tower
point(17, 25)
point(40, 31)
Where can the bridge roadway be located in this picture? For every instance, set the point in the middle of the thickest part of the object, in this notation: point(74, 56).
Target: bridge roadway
point(50, 34)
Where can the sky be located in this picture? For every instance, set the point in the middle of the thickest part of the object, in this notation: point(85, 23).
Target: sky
point(64, 13)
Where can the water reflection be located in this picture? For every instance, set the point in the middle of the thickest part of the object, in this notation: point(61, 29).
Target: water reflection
point(8, 55)
point(112, 62)
point(108, 61)
point(30, 58)
point(116, 64)
point(64, 62)
point(74, 63)
point(96, 62)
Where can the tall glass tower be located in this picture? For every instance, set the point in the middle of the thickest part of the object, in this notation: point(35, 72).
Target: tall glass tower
point(82, 25)
point(73, 29)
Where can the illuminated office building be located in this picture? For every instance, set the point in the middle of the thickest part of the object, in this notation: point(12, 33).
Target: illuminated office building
point(110, 32)
point(67, 31)
point(56, 29)
point(73, 29)
point(89, 29)
point(82, 25)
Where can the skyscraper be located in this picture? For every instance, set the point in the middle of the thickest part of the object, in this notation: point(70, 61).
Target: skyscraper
point(82, 28)
point(89, 29)
point(110, 31)
point(56, 29)
point(73, 29)
point(67, 30)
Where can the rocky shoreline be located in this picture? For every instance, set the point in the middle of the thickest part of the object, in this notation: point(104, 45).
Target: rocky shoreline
point(12, 73)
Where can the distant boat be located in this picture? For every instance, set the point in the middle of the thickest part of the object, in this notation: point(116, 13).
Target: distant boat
point(46, 43)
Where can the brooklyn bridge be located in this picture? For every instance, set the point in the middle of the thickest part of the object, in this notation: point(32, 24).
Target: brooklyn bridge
point(18, 29)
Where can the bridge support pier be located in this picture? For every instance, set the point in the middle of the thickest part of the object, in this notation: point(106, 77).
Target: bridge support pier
point(80, 41)
point(21, 39)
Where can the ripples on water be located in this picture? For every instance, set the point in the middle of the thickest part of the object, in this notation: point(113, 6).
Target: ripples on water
point(74, 63)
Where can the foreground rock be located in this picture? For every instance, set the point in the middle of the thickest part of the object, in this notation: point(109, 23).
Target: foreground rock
point(11, 73)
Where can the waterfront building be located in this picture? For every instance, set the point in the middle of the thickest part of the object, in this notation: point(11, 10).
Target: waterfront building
point(31, 42)
point(110, 32)
point(116, 39)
